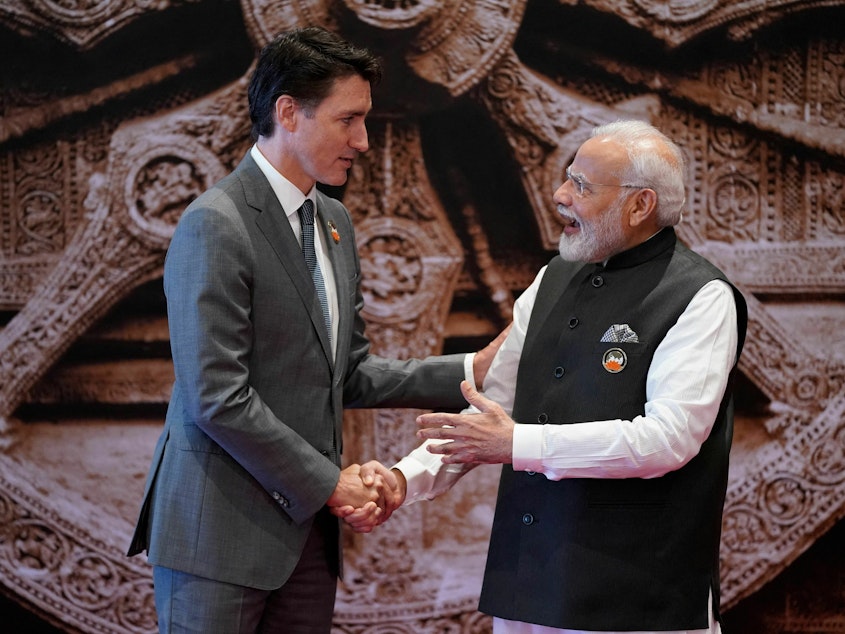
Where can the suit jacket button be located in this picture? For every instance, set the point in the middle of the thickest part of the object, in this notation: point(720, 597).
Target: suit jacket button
point(528, 519)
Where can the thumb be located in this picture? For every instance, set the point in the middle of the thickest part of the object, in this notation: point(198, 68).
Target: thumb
point(367, 475)
point(474, 397)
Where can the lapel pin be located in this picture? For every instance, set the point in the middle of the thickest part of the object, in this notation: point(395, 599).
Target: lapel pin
point(614, 360)
point(333, 231)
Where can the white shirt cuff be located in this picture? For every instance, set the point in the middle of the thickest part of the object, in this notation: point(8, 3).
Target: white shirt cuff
point(528, 447)
point(469, 375)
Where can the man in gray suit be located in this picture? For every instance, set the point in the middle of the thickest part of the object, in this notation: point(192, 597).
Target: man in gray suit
point(267, 351)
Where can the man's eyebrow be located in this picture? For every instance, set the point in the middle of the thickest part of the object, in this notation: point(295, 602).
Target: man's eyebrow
point(347, 114)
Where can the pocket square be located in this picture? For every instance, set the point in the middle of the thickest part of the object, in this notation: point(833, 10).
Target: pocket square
point(620, 333)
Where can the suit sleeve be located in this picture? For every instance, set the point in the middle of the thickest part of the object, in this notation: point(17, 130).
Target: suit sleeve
point(374, 381)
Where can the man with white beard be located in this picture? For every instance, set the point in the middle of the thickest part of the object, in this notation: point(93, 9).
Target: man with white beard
point(610, 408)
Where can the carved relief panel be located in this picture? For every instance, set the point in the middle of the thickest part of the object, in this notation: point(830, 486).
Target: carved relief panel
point(484, 104)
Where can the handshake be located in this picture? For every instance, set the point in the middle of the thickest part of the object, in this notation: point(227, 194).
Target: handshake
point(366, 495)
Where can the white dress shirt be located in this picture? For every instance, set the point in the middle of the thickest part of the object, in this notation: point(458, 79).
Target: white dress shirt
point(291, 200)
point(682, 401)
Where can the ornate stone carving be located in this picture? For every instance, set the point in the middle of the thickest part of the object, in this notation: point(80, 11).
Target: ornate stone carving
point(678, 21)
point(86, 218)
point(265, 18)
point(54, 562)
point(81, 23)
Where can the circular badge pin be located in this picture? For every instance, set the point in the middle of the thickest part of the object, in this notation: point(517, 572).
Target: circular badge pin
point(614, 360)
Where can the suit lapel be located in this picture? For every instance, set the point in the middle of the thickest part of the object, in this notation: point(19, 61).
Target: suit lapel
point(331, 225)
point(272, 221)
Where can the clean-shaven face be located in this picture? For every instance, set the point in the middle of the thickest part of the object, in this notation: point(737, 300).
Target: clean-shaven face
point(331, 136)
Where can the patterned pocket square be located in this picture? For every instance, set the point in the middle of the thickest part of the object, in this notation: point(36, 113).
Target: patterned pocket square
point(620, 333)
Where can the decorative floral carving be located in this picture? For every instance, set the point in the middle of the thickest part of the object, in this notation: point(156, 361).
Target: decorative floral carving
point(832, 203)
point(84, 23)
point(676, 10)
point(743, 531)
point(734, 207)
point(771, 217)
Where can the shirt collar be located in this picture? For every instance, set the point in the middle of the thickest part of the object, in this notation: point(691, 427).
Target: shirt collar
point(288, 194)
point(662, 241)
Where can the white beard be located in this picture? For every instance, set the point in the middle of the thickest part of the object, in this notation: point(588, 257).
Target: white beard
point(596, 241)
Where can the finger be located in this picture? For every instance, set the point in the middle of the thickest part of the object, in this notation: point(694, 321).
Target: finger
point(475, 398)
point(368, 472)
point(365, 526)
point(436, 419)
point(457, 458)
point(390, 479)
point(368, 511)
point(384, 478)
point(442, 448)
point(342, 511)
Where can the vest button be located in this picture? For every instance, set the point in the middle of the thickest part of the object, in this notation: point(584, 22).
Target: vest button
point(573, 321)
point(597, 281)
point(543, 418)
point(559, 372)
point(528, 519)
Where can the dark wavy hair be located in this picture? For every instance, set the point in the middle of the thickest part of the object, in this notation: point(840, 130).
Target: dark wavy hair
point(303, 63)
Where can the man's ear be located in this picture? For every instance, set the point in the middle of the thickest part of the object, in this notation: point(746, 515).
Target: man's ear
point(644, 208)
point(286, 109)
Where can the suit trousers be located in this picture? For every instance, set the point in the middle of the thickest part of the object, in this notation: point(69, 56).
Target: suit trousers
point(188, 604)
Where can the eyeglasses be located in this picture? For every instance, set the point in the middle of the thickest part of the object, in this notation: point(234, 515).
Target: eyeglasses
point(582, 186)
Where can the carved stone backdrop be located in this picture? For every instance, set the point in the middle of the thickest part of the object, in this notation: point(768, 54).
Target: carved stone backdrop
point(116, 114)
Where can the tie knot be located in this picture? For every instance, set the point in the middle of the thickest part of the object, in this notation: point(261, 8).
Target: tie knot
point(306, 213)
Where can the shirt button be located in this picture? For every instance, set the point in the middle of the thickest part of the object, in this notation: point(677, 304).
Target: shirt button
point(573, 321)
point(558, 372)
point(543, 418)
point(528, 519)
point(597, 281)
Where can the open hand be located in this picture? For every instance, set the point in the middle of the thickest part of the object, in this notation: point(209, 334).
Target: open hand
point(484, 437)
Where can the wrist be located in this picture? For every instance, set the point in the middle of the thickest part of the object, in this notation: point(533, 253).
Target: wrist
point(403, 483)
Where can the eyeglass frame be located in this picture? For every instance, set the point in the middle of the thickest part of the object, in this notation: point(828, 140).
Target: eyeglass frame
point(580, 183)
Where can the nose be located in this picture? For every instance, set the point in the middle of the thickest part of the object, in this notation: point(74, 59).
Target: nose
point(359, 139)
point(563, 195)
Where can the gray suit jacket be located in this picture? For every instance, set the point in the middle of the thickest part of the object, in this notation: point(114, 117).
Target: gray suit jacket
point(251, 445)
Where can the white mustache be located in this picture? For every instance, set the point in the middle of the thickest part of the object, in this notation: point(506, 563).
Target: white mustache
point(563, 210)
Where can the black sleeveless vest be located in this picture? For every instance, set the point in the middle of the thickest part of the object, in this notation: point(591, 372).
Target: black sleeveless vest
point(609, 554)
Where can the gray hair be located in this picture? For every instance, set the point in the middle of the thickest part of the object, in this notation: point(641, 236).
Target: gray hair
point(656, 162)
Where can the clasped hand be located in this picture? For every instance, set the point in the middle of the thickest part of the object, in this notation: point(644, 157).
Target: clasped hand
point(366, 495)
